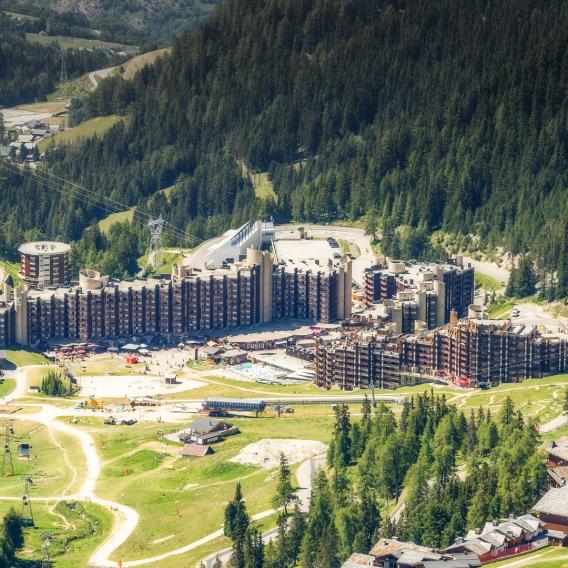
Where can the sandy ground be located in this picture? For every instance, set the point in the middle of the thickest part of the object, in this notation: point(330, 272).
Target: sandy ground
point(116, 386)
point(16, 117)
point(266, 453)
point(492, 269)
point(534, 314)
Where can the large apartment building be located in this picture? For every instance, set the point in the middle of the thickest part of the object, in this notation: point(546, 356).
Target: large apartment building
point(44, 263)
point(420, 294)
point(468, 352)
point(244, 293)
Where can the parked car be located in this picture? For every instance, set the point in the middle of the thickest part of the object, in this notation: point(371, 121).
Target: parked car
point(515, 313)
point(128, 421)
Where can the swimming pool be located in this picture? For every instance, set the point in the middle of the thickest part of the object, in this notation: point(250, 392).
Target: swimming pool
point(256, 371)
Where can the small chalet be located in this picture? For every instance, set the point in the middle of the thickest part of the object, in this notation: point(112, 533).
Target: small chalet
point(195, 450)
point(210, 352)
point(393, 553)
point(552, 509)
point(557, 452)
point(498, 537)
point(557, 463)
point(206, 430)
point(232, 357)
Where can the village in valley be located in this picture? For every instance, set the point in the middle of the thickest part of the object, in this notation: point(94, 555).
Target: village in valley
point(122, 394)
point(283, 284)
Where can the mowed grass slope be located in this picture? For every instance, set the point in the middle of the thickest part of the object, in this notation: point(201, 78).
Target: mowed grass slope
point(186, 497)
point(486, 282)
point(56, 466)
point(120, 217)
point(72, 544)
point(548, 558)
point(73, 42)
point(22, 357)
point(95, 126)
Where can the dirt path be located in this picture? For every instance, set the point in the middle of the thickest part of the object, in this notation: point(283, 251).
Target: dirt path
point(100, 74)
point(126, 518)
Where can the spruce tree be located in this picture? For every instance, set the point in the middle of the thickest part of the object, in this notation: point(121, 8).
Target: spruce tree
point(285, 492)
point(236, 527)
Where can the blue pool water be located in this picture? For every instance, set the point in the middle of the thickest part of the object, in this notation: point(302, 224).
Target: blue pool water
point(256, 371)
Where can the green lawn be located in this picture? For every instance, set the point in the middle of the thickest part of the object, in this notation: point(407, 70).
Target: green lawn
point(21, 357)
point(165, 262)
point(501, 310)
point(23, 16)
point(12, 269)
point(487, 282)
point(73, 42)
point(547, 558)
point(263, 188)
point(541, 399)
point(72, 88)
point(6, 386)
point(120, 217)
point(72, 545)
point(141, 471)
point(95, 126)
point(56, 466)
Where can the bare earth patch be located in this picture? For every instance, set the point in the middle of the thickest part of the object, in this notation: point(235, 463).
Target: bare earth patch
point(266, 453)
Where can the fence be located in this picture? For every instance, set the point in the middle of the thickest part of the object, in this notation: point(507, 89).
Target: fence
point(496, 555)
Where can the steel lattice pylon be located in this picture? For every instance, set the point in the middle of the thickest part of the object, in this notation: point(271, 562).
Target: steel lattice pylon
point(156, 228)
point(7, 463)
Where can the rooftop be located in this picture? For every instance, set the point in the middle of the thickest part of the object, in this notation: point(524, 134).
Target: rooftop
point(554, 502)
point(44, 247)
point(558, 448)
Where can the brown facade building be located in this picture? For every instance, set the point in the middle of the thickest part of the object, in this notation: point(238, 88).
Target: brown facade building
point(192, 300)
point(468, 352)
point(421, 292)
point(44, 264)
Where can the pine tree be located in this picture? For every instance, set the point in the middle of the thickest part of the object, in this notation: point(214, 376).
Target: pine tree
point(285, 493)
point(371, 222)
point(471, 433)
point(236, 527)
point(296, 534)
point(12, 529)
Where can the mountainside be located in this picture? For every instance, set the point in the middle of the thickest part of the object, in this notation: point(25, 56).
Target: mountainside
point(129, 21)
point(29, 71)
point(449, 114)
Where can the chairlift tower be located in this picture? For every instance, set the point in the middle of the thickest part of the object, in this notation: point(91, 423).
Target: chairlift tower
point(7, 462)
point(27, 514)
point(156, 228)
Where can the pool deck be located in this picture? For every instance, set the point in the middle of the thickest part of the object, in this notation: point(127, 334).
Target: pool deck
point(277, 358)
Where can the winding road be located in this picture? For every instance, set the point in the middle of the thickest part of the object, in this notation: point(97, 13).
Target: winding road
point(126, 518)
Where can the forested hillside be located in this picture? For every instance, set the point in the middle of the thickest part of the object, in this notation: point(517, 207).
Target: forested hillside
point(378, 460)
point(440, 115)
point(29, 71)
point(126, 21)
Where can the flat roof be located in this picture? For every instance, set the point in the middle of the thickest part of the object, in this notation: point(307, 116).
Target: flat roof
point(305, 250)
point(44, 247)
